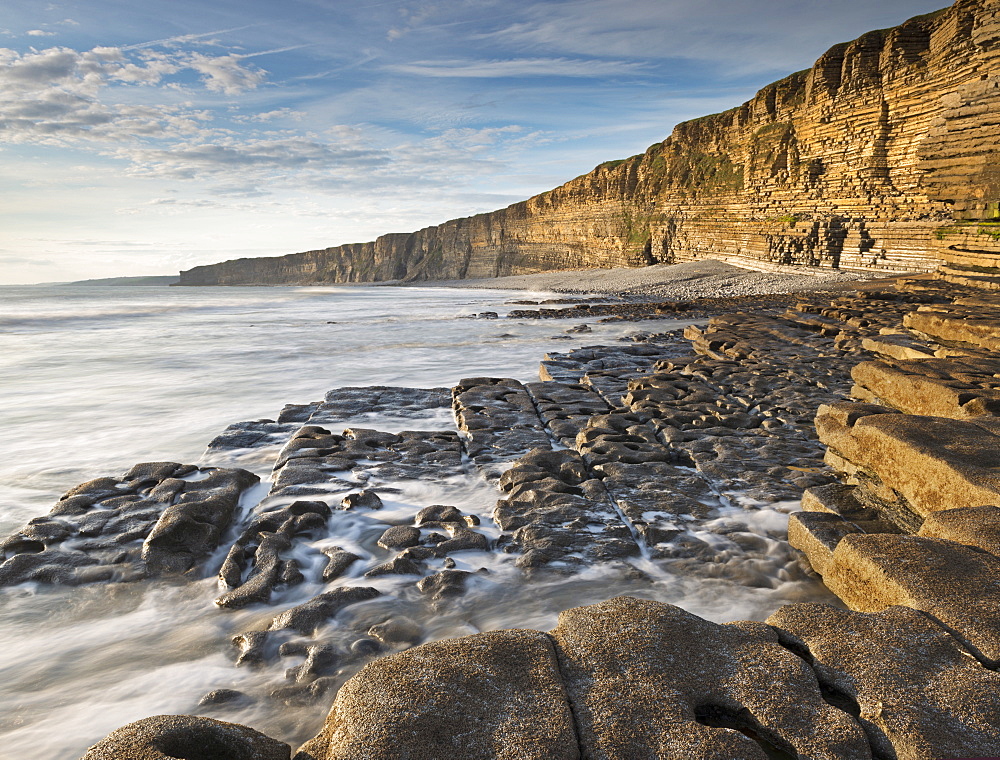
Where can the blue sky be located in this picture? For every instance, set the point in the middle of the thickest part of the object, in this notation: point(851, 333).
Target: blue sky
point(148, 138)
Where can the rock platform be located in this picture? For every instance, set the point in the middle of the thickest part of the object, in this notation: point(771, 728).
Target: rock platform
point(875, 408)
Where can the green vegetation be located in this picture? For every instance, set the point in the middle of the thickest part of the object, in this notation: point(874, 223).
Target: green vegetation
point(635, 223)
point(778, 130)
point(612, 164)
point(928, 16)
point(785, 220)
point(987, 229)
point(708, 172)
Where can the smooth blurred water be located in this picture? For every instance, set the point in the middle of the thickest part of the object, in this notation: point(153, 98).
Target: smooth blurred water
point(96, 379)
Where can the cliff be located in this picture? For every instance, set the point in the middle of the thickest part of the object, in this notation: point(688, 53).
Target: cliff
point(863, 162)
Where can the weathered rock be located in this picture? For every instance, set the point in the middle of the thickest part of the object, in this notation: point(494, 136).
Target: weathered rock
point(972, 526)
point(222, 697)
point(495, 695)
point(148, 522)
point(397, 566)
point(934, 387)
point(934, 463)
point(499, 421)
point(444, 583)
point(191, 527)
point(817, 534)
point(166, 737)
point(917, 691)
point(957, 584)
point(260, 547)
point(339, 561)
point(679, 679)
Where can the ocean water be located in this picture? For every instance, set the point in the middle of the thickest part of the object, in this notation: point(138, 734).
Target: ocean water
point(96, 379)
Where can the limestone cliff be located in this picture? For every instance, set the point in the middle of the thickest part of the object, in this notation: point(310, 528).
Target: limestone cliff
point(862, 162)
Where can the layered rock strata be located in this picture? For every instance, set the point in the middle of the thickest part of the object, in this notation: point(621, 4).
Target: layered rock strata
point(861, 162)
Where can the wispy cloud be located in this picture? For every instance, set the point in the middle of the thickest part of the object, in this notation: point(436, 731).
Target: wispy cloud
point(182, 39)
point(520, 67)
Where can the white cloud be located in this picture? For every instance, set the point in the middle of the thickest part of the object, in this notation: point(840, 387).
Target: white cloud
point(39, 33)
point(63, 96)
point(225, 73)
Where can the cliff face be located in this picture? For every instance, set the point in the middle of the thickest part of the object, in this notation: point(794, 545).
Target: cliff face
point(861, 162)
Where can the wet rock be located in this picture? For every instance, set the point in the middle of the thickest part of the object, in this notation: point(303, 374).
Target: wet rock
point(362, 499)
point(441, 513)
point(397, 566)
point(490, 695)
point(462, 540)
point(399, 537)
point(149, 521)
point(164, 737)
point(444, 583)
point(345, 404)
point(397, 631)
point(251, 647)
point(190, 529)
point(339, 561)
point(320, 660)
point(222, 697)
point(365, 647)
point(252, 434)
point(307, 617)
point(499, 421)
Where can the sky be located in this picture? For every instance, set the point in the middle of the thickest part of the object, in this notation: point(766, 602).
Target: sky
point(146, 138)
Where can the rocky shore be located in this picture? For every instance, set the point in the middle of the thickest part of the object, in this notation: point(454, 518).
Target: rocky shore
point(875, 406)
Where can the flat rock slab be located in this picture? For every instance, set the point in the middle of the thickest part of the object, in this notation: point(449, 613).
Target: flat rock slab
point(957, 584)
point(934, 387)
point(972, 526)
point(953, 325)
point(316, 461)
point(560, 513)
point(498, 420)
point(492, 695)
point(917, 691)
point(168, 737)
point(649, 680)
point(565, 408)
point(344, 404)
point(934, 463)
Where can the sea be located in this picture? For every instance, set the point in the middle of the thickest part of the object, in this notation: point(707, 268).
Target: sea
point(94, 379)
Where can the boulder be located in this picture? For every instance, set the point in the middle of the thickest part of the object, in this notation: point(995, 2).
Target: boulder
point(492, 695)
point(650, 680)
point(917, 691)
point(167, 737)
